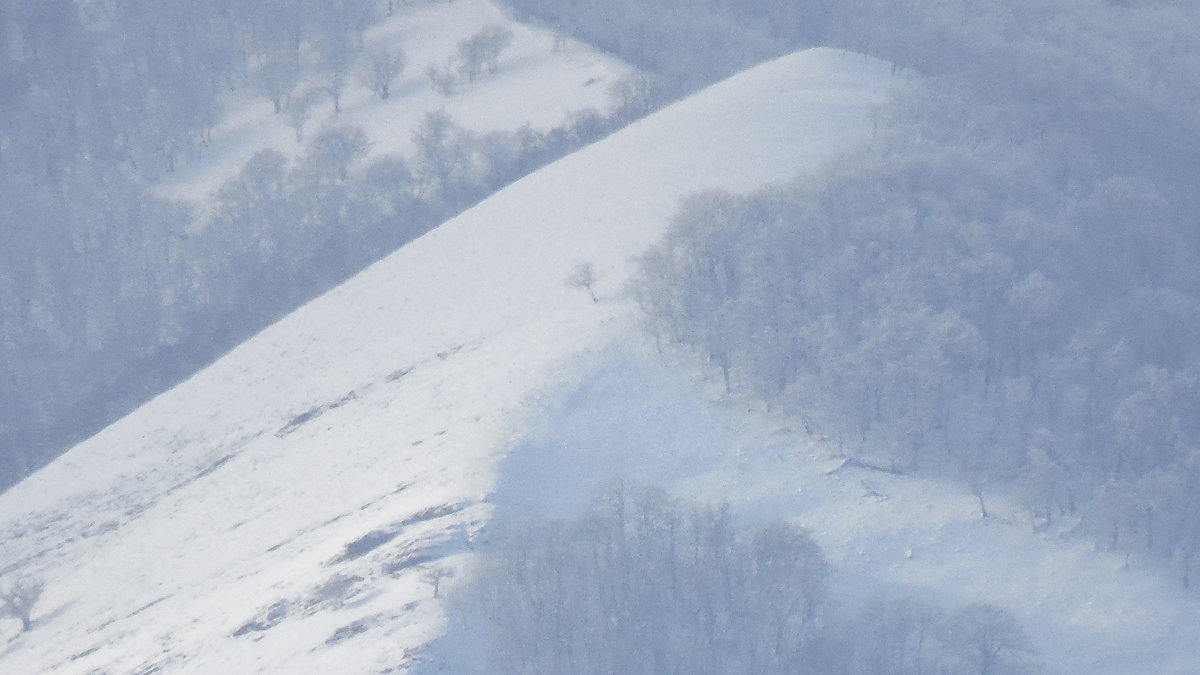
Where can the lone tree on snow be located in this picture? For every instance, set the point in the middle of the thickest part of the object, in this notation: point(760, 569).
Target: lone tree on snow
point(583, 276)
point(434, 576)
point(383, 69)
point(18, 600)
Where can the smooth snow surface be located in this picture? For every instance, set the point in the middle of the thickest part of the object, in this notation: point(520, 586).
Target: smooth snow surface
point(288, 509)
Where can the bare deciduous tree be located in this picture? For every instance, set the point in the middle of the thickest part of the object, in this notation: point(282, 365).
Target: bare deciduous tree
point(337, 55)
point(988, 640)
point(383, 69)
point(19, 599)
point(277, 77)
point(630, 97)
point(434, 576)
point(482, 50)
point(298, 111)
point(583, 276)
point(441, 77)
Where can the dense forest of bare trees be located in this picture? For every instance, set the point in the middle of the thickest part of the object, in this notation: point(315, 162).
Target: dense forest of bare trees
point(1001, 287)
point(643, 583)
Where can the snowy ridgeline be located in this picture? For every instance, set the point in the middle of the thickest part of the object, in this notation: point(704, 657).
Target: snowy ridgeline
point(312, 489)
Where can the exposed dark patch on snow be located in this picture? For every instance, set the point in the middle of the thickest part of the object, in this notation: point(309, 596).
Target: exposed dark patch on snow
point(397, 375)
point(366, 543)
point(407, 560)
point(442, 356)
point(372, 540)
point(432, 513)
point(213, 467)
point(315, 412)
point(351, 629)
point(86, 652)
point(266, 620)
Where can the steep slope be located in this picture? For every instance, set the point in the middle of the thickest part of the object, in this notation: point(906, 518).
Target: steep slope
point(294, 507)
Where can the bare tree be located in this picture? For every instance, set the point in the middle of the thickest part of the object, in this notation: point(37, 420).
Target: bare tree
point(19, 599)
point(630, 97)
point(337, 55)
point(277, 77)
point(482, 50)
point(332, 151)
point(583, 276)
point(298, 111)
point(988, 640)
point(441, 77)
point(383, 69)
point(891, 636)
point(434, 575)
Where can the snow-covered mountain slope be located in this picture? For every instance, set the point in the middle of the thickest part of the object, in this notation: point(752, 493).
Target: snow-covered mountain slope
point(308, 502)
point(289, 508)
point(541, 80)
